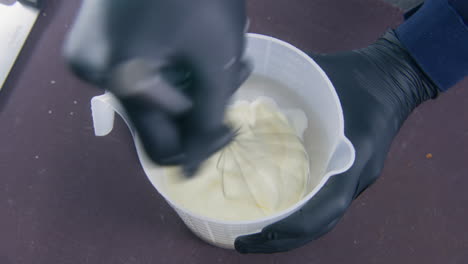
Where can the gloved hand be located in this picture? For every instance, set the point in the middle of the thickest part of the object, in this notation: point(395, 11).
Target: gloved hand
point(173, 64)
point(378, 87)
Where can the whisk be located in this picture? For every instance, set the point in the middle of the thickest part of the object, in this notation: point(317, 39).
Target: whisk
point(265, 161)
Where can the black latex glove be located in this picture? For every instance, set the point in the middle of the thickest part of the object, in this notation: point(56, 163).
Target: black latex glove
point(173, 64)
point(378, 87)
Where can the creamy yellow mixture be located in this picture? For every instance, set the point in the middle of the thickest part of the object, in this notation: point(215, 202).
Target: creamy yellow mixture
point(263, 171)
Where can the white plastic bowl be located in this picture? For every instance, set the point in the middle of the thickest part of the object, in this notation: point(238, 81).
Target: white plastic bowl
point(306, 87)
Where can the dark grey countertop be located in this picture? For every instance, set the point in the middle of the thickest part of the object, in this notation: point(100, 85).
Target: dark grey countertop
point(67, 196)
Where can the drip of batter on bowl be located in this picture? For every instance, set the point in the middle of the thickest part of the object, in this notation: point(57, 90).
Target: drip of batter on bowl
point(263, 171)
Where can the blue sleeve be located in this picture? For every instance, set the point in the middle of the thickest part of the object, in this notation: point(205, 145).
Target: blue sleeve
point(462, 8)
point(437, 38)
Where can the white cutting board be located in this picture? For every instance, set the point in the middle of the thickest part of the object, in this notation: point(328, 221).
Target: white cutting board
point(16, 21)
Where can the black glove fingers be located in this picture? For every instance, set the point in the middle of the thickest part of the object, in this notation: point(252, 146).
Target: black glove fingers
point(152, 104)
point(158, 133)
point(240, 72)
point(273, 243)
point(328, 204)
point(150, 87)
point(258, 243)
point(244, 72)
point(204, 131)
point(316, 218)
